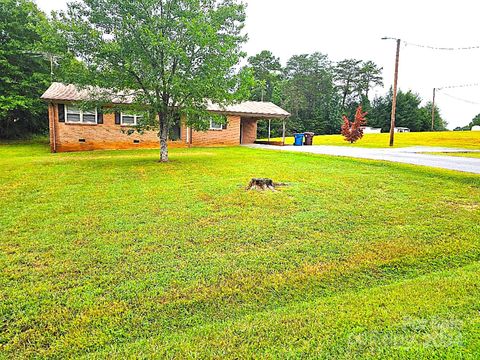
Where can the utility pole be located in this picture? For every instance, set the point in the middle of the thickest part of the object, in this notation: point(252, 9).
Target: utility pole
point(433, 108)
point(394, 100)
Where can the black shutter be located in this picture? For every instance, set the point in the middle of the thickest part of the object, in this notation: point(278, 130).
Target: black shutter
point(100, 116)
point(61, 112)
point(225, 125)
point(117, 118)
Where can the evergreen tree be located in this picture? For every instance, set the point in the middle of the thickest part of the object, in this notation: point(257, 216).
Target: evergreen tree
point(475, 121)
point(409, 113)
point(267, 73)
point(426, 122)
point(310, 95)
point(370, 77)
point(354, 79)
point(266, 70)
point(347, 75)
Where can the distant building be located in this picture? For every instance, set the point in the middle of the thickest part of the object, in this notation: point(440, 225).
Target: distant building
point(402, 130)
point(476, 128)
point(371, 130)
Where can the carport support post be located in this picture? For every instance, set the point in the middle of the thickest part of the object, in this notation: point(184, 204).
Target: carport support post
point(283, 132)
point(269, 129)
point(433, 109)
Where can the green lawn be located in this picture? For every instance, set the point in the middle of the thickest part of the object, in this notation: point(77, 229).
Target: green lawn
point(457, 139)
point(112, 255)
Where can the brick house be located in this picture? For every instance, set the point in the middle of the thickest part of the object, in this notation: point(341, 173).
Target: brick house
point(73, 129)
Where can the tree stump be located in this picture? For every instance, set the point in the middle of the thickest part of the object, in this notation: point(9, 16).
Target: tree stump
point(261, 184)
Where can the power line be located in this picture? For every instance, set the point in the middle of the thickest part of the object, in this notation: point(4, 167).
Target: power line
point(451, 96)
point(406, 43)
point(458, 86)
point(460, 99)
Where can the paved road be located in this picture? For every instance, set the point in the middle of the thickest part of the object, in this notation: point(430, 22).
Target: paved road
point(410, 155)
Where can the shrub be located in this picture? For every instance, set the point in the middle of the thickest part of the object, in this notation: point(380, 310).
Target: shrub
point(352, 131)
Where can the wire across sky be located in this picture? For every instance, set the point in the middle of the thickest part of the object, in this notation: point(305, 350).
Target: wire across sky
point(476, 47)
point(460, 99)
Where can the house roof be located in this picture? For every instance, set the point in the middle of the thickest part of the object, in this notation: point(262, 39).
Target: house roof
point(251, 108)
point(62, 92)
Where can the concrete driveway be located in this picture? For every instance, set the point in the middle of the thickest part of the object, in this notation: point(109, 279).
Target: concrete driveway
point(410, 155)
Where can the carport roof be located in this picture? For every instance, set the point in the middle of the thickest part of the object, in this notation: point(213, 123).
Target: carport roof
point(255, 109)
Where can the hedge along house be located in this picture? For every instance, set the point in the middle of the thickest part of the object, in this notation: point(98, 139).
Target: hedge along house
point(74, 129)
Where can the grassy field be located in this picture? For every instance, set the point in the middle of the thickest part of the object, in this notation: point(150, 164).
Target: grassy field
point(112, 255)
point(458, 139)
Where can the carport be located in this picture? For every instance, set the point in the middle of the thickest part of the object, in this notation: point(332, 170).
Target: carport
point(250, 112)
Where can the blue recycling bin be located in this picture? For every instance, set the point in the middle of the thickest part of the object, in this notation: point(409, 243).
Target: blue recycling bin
point(298, 139)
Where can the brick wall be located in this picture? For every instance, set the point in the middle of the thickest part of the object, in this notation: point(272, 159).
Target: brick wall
point(110, 136)
point(249, 131)
point(226, 137)
point(51, 125)
point(100, 136)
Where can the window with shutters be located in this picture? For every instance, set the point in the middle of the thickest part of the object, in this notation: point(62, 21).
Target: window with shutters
point(75, 115)
point(129, 119)
point(218, 122)
point(215, 126)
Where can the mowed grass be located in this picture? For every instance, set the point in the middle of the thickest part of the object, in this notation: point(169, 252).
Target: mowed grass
point(455, 139)
point(112, 255)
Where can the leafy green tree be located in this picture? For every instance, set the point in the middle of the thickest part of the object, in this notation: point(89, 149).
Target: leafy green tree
point(426, 119)
point(354, 80)
point(370, 77)
point(169, 56)
point(310, 95)
point(475, 121)
point(267, 74)
point(409, 112)
point(24, 69)
point(266, 70)
point(379, 114)
point(347, 75)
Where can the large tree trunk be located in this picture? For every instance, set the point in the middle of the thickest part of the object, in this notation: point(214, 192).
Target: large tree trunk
point(345, 94)
point(163, 137)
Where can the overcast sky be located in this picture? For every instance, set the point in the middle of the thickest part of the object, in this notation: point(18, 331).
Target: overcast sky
point(353, 29)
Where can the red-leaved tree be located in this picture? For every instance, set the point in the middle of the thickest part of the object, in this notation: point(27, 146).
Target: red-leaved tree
point(352, 131)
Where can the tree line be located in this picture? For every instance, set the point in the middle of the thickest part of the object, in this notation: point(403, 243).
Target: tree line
point(24, 70)
point(36, 49)
point(475, 122)
point(318, 91)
